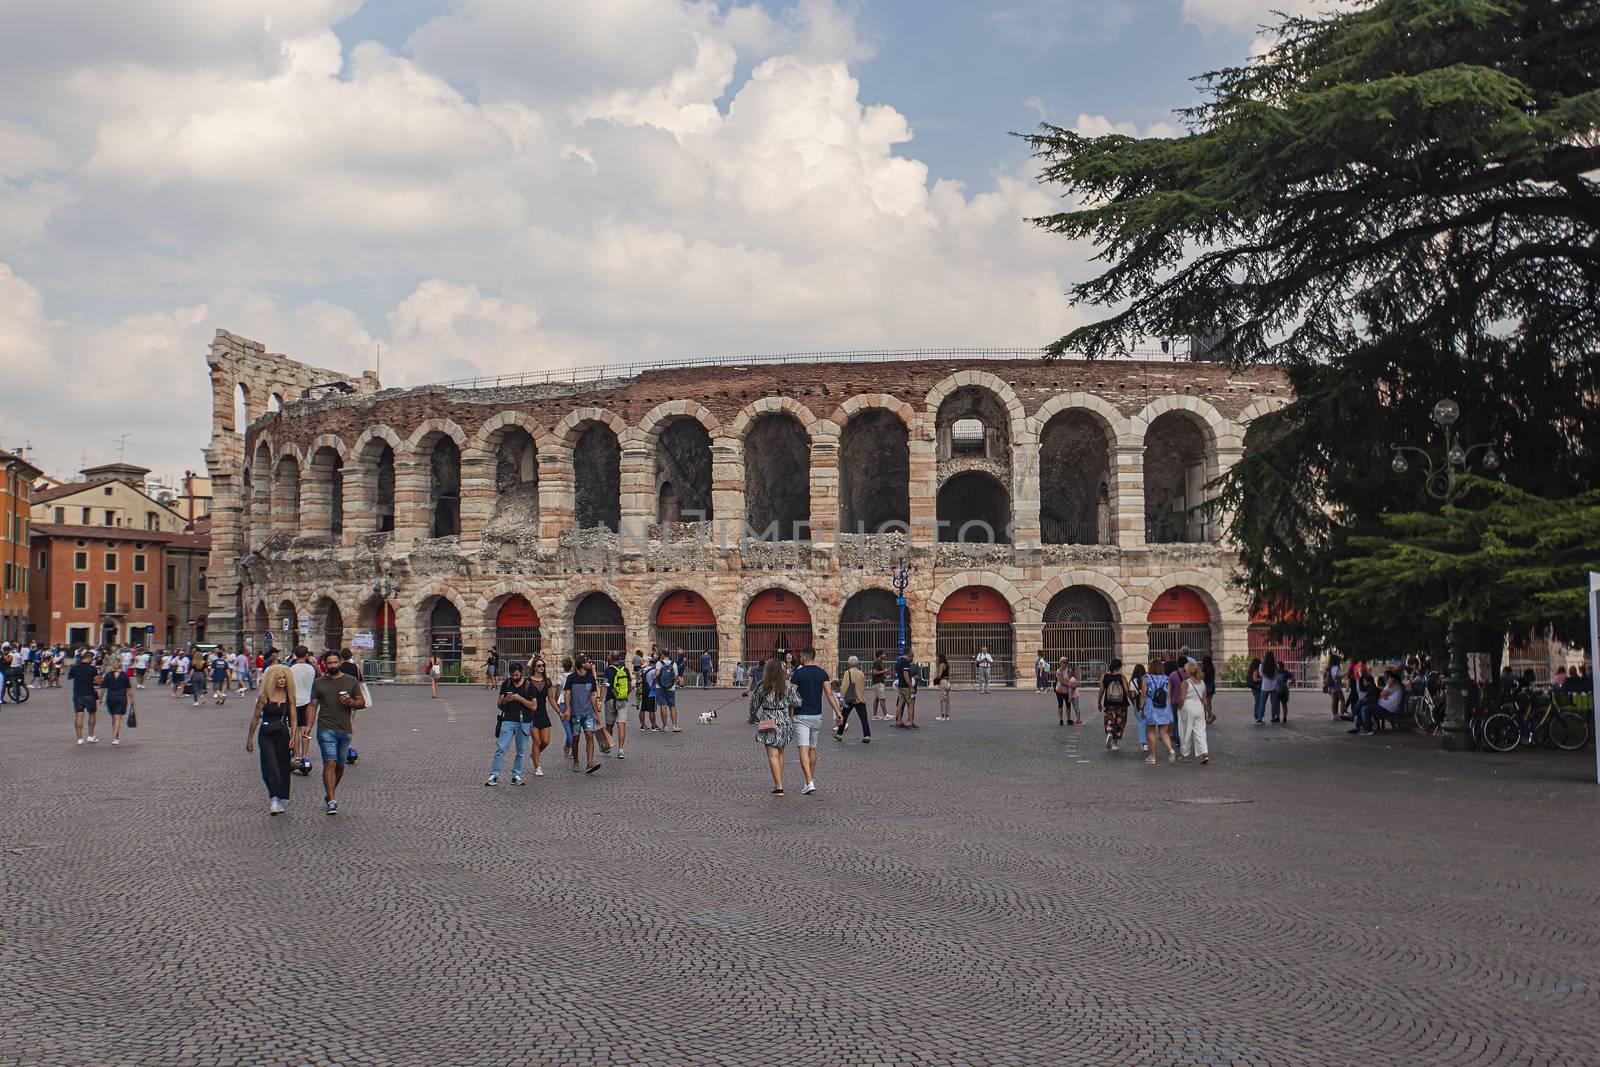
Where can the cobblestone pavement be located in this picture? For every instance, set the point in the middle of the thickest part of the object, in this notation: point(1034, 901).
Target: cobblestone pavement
point(994, 890)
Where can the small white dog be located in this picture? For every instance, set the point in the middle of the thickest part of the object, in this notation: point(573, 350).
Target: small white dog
point(707, 718)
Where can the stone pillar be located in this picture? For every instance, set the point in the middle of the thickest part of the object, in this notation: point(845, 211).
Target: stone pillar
point(477, 494)
point(556, 503)
point(727, 490)
point(227, 545)
point(316, 501)
point(924, 486)
point(824, 489)
point(638, 496)
point(411, 639)
point(412, 517)
point(1127, 493)
point(1227, 454)
point(360, 503)
point(260, 526)
point(1027, 529)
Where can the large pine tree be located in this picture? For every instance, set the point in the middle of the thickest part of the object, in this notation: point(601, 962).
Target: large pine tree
point(1396, 203)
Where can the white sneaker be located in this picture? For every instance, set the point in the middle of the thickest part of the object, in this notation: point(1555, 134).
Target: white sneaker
point(80, 740)
point(1110, 743)
point(494, 779)
point(517, 779)
point(621, 754)
point(116, 740)
point(538, 772)
point(93, 740)
point(809, 787)
point(276, 807)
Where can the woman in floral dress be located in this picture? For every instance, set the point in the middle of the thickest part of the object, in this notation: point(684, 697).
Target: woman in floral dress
point(772, 705)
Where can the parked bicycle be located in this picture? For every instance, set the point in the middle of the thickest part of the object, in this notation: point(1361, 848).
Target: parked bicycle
point(1532, 717)
point(16, 687)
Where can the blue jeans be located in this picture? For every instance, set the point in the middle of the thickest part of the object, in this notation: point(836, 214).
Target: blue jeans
point(334, 744)
point(518, 733)
point(1260, 710)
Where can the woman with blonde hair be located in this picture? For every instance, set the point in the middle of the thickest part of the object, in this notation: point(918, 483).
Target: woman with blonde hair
point(772, 707)
point(1157, 702)
point(1191, 701)
point(271, 723)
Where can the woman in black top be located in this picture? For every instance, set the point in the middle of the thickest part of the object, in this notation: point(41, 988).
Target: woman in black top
point(274, 715)
point(542, 691)
point(941, 682)
point(1114, 696)
point(119, 700)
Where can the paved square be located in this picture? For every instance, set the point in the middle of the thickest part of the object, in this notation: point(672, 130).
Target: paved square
point(994, 890)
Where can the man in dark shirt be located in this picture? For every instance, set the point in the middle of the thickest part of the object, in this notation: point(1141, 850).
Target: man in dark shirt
point(812, 682)
point(85, 700)
point(516, 714)
point(581, 708)
point(334, 700)
point(905, 681)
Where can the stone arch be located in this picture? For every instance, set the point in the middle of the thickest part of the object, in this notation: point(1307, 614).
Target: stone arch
point(328, 627)
point(487, 606)
point(681, 478)
point(286, 492)
point(378, 432)
point(962, 579)
point(867, 401)
point(1005, 399)
point(656, 419)
point(322, 487)
point(486, 438)
point(428, 429)
point(1115, 423)
point(772, 405)
point(1258, 408)
point(572, 425)
point(974, 507)
point(718, 633)
point(500, 475)
point(1221, 604)
point(1212, 424)
point(1122, 602)
point(1090, 644)
point(370, 473)
point(598, 637)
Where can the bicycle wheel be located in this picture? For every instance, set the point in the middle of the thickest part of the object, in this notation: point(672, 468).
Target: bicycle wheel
point(1501, 732)
point(1422, 712)
point(19, 693)
point(1569, 730)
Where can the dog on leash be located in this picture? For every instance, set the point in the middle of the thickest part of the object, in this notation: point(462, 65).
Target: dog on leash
point(707, 718)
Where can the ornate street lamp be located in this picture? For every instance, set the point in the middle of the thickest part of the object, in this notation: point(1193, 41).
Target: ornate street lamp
point(900, 572)
point(1444, 483)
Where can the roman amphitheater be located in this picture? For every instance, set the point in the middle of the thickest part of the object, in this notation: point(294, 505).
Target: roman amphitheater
point(732, 507)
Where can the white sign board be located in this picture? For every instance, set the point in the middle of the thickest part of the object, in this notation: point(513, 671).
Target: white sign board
point(363, 641)
point(305, 623)
point(1594, 659)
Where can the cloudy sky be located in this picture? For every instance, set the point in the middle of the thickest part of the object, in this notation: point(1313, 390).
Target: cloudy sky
point(486, 186)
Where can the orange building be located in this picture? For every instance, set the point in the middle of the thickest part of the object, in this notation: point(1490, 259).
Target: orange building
point(16, 487)
point(100, 585)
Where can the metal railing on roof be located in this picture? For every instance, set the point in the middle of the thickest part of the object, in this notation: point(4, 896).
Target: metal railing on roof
point(1177, 351)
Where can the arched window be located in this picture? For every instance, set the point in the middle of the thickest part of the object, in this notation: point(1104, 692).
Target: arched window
point(777, 478)
point(1175, 464)
point(684, 620)
point(597, 478)
point(1078, 627)
point(683, 472)
point(974, 509)
point(516, 486)
point(516, 631)
point(1179, 621)
point(1075, 479)
point(444, 487)
point(874, 472)
point(869, 624)
point(597, 627)
point(973, 620)
point(444, 634)
point(775, 621)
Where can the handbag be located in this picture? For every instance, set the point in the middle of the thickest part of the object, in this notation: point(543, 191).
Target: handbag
point(133, 720)
point(366, 695)
point(765, 725)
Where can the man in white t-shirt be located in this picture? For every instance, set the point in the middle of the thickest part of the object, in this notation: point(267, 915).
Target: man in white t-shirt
point(304, 673)
point(141, 667)
point(242, 669)
point(985, 663)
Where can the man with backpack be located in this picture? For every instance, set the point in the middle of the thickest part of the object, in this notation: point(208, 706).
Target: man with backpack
point(667, 675)
point(853, 697)
point(617, 687)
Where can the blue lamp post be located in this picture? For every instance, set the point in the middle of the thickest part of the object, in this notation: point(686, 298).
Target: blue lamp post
point(900, 573)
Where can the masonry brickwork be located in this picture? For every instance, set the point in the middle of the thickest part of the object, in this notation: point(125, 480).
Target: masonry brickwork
point(325, 501)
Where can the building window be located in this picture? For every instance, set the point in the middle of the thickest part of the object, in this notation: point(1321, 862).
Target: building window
point(111, 597)
point(61, 516)
point(43, 557)
point(87, 516)
point(138, 563)
point(111, 561)
point(111, 517)
point(10, 577)
point(202, 579)
point(172, 578)
point(152, 521)
point(108, 490)
point(80, 561)
point(80, 595)
point(138, 597)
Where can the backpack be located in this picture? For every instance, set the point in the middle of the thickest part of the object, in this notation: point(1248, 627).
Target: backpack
point(619, 683)
point(667, 676)
point(1116, 692)
point(852, 694)
point(1158, 693)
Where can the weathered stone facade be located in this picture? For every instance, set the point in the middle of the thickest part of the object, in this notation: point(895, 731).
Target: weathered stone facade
point(474, 496)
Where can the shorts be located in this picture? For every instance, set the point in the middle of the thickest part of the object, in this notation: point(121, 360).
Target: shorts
point(668, 698)
point(335, 745)
point(807, 728)
point(614, 710)
point(883, 690)
point(906, 696)
point(583, 722)
point(85, 704)
point(302, 716)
